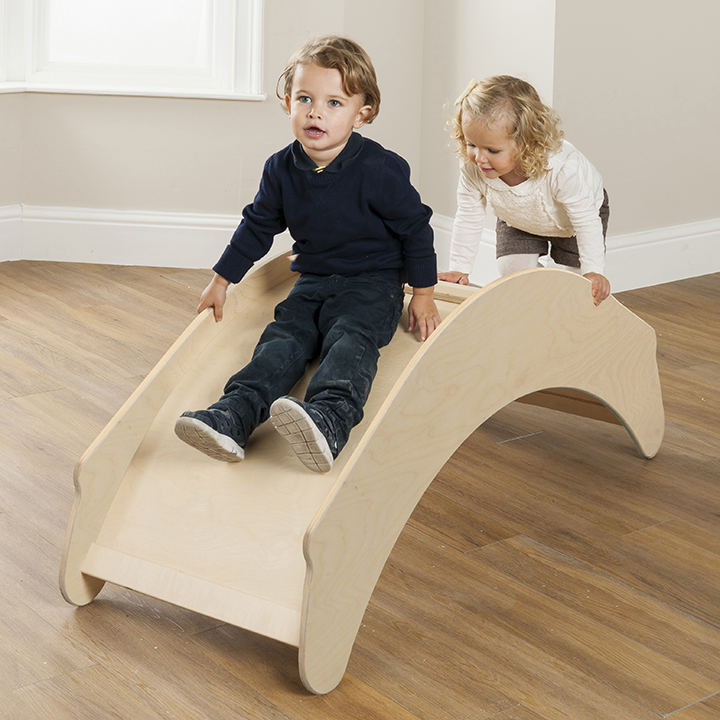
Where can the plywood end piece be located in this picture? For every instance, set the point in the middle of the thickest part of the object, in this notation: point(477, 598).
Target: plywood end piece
point(196, 594)
point(532, 331)
point(573, 402)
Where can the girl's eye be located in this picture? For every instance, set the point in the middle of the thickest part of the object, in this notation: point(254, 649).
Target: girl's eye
point(493, 152)
point(469, 144)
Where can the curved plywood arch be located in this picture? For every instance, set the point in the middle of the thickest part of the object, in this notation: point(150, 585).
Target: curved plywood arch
point(535, 330)
point(269, 546)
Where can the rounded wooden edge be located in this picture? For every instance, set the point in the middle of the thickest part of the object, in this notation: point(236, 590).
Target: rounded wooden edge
point(322, 672)
point(111, 450)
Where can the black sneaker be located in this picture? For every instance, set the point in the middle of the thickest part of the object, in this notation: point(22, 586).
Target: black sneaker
point(306, 430)
point(213, 432)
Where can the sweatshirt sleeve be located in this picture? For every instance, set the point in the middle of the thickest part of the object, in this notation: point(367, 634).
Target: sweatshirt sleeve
point(409, 220)
point(262, 220)
point(578, 187)
point(469, 223)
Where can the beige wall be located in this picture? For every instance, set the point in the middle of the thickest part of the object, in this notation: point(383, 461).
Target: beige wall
point(467, 39)
point(636, 83)
point(11, 150)
point(202, 156)
point(634, 80)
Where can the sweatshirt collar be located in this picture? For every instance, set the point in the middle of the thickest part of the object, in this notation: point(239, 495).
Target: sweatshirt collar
point(347, 154)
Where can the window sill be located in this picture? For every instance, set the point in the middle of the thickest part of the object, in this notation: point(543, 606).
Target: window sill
point(15, 87)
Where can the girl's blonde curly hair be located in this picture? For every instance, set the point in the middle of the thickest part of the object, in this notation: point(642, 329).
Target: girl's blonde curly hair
point(533, 126)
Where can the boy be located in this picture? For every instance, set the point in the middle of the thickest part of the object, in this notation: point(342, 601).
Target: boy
point(359, 230)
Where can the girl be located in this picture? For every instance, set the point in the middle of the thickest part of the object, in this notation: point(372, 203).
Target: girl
point(541, 189)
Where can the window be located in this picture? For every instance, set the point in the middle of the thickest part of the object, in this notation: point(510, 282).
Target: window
point(196, 48)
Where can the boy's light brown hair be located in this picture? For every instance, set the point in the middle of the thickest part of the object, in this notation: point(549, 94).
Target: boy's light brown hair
point(341, 54)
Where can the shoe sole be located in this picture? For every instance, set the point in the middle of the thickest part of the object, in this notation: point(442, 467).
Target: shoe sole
point(297, 427)
point(208, 441)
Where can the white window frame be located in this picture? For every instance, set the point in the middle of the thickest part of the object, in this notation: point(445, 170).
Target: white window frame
point(234, 70)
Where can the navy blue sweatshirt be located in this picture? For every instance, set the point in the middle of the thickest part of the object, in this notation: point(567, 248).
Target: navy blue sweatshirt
point(361, 214)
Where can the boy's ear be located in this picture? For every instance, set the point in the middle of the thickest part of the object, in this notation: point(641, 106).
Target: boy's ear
point(287, 102)
point(362, 117)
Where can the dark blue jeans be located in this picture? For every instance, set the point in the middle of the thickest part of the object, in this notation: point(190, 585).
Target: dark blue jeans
point(341, 320)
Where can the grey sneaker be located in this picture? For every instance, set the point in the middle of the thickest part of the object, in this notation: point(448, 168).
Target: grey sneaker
point(212, 432)
point(302, 426)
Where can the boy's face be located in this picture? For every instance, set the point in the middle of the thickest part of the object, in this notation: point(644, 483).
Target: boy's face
point(322, 116)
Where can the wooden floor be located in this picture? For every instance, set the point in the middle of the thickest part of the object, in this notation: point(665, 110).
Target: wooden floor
point(548, 573)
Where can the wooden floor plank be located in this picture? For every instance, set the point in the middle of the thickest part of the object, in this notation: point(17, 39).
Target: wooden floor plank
point(423, 680)
point(269, 667)
point(518, 713)
point(561, 491)
point(31, 650)
point(458, 526)
point(618, 605)
point(572, 637)
point(668, 580)
point(412, 588)
point(92, 693)
point(707, 710)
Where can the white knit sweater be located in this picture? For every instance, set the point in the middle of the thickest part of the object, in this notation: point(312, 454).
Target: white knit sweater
point(563, 202)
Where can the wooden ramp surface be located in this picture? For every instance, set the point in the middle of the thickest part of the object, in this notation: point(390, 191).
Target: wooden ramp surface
point(271, 547)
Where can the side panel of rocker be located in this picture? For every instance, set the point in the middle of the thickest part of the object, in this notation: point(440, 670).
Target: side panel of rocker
point(524, 333)
point(101, 469)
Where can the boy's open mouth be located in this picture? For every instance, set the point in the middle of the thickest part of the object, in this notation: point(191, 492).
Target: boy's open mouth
point(314, 131)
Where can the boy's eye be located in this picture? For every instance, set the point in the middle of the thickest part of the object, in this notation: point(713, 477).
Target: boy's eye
point(304, 99)
point(335, 103)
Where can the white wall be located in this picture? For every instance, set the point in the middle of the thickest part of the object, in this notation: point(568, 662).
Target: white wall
point(466, 39)
point(11, 176)
point(11, 149)
point(636, 84)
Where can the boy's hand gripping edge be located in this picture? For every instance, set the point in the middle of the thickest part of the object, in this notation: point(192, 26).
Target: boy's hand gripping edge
point(423, 313)
point(214, 296)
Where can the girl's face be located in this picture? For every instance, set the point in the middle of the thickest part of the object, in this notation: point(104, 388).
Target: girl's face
point(492, 149)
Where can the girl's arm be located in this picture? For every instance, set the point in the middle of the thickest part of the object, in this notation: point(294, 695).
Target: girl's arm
point(468, 227)
point(578, 186)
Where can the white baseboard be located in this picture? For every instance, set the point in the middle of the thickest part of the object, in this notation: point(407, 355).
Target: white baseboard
point(124, 238)
point(11, 232)
point(116, 237)
point(195, 240)
point(663, 255)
